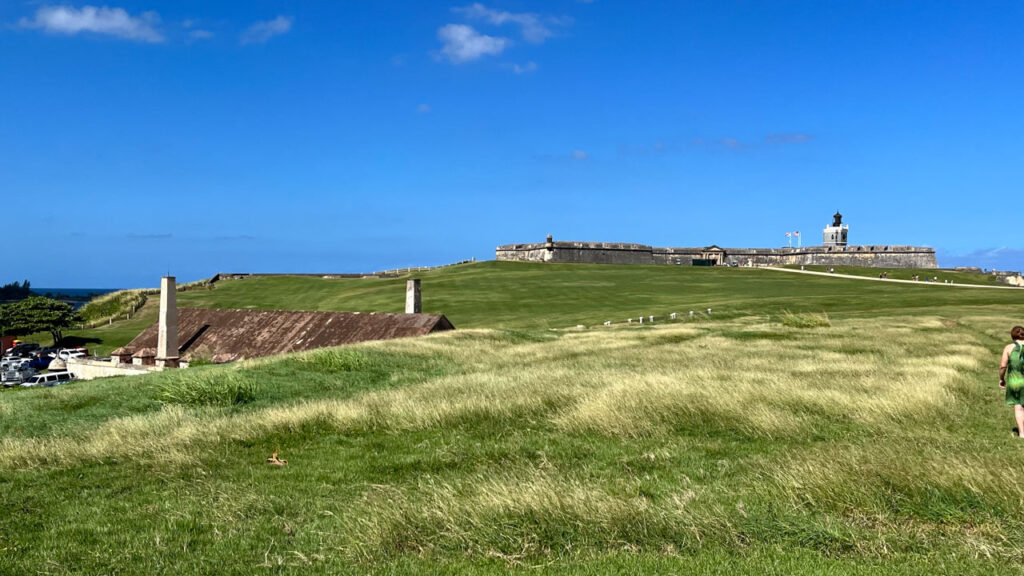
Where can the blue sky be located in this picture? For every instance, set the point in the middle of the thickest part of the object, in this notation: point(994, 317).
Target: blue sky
point(194, 136)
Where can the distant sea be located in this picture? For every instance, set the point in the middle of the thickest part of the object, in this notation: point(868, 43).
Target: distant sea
point(77, 297)
point(74, 292)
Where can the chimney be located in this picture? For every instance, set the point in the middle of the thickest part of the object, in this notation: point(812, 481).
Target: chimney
point(167, 340)
point(413, 300)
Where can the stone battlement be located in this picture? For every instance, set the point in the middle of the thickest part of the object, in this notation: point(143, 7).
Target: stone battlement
point(880, 256)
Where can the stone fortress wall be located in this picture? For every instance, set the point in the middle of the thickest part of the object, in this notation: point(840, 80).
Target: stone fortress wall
point(878, 256)
point(834, 252)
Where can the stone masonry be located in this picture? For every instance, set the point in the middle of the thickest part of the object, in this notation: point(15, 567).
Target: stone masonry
point(877, 256)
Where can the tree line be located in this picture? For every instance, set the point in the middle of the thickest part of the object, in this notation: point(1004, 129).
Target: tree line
point(16, 291)
point(37, 314)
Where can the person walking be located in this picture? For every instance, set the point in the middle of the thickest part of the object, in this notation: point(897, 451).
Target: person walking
point(1011, 375)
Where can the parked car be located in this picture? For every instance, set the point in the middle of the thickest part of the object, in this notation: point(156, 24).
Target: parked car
point(66, 353)
point(40, 360)
point(23, 349)
point(13, 363)
point(51, 379)
point(9, 378)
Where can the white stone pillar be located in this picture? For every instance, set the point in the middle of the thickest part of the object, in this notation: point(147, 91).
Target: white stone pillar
point(167, 339)
point(413, 298)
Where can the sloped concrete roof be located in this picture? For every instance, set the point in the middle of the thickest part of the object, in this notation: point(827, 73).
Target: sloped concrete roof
point(230, 335)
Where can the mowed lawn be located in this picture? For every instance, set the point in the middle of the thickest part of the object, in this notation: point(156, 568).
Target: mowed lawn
point(531, 295)
point(535, 295)
point(734, 443)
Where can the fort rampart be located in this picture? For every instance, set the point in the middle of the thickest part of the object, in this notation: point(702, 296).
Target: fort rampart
point(878, 256)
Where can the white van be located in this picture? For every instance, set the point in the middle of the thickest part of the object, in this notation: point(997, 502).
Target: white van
point(51, 379)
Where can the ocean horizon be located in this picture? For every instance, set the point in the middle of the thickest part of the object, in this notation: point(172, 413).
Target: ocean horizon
point(74, 291)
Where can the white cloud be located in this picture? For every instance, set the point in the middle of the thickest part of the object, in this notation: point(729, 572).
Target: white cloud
point(110, 21)
point(534, 29)
point(580, 155)
point(462, 43)
point(200, 34)
point(423, 108)
point(788, 138)
point(524, 68)
point(260, 32)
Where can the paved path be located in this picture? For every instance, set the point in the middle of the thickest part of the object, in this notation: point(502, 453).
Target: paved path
point(916, 283)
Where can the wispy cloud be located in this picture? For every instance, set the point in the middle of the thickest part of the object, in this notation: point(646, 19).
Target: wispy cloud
point(658, 147)
point(535, 28)
point(261, 32)
point(423, 109)
point(524, 68)
point(464, 43)
point(115, 22)
point(580, 155)
point(194, 32)
point(729, 143)
point(788, 138)
point(161, 236)
point(461, 43)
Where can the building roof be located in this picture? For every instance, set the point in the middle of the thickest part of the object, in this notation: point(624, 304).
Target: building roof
point(230, 335)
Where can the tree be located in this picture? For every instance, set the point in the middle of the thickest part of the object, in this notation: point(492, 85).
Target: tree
point(15, 291)
point(37, 314)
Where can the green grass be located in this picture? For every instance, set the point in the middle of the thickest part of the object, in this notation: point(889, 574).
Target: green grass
point(734, 443)
point(515, 295)
point(958, 277)
point(120, 304)
point(805, 320)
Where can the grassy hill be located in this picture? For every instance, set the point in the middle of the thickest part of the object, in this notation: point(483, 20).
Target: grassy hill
point(733, 443)
point(956, 276)
point(530, 296)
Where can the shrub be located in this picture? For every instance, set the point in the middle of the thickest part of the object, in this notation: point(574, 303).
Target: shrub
point(805, 319)
point(209, 389)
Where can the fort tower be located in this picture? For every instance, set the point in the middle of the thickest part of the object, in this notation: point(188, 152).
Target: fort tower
point(836, 234)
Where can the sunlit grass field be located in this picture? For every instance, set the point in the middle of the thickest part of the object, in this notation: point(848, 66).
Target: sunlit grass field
point(956, 276)
point(518, 295)
point(809, 425)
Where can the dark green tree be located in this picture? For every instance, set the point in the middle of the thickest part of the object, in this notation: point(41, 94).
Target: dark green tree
point(37, 314)
point(15, 291)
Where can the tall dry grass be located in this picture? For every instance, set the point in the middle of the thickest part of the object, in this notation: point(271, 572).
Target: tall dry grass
point(844, 405)
point(751, 378)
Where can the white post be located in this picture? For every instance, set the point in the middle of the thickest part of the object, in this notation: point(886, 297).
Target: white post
point(413, 297)
point(167, 332)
